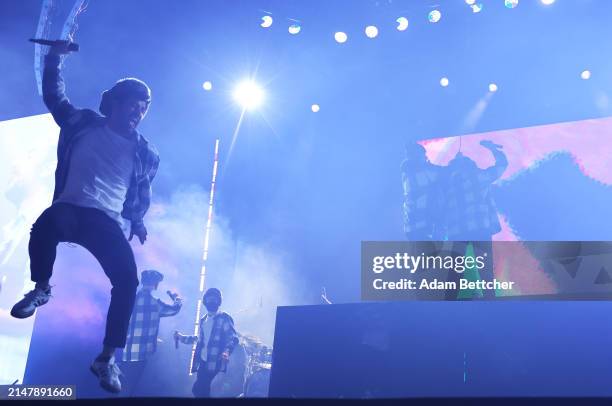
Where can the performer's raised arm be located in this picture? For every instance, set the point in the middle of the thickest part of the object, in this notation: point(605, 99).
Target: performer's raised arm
point(167, 310)
point(53, 86)
point(501, 161)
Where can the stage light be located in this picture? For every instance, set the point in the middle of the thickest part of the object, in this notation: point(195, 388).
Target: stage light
point(371, 31)
point(586, 75)
point(476, 8)
point(207, 85)
point(434, 16)
point(444, 82)
point(511, 3)
point(248, 94)
point(470, 2)
point(402, 23)
point(492, 87)
point(315, 108)
point(294, 29)
point(340, 37)
point(547, 2)
point(266, 21)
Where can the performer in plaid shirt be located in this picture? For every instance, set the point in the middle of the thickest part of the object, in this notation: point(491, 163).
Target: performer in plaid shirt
point(421, 181)
point(471, 213)
point(423, 208)
point(103, 176)
point(144, 326)
point(215, 342)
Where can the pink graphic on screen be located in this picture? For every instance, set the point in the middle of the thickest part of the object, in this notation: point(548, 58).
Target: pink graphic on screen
point(587, 142)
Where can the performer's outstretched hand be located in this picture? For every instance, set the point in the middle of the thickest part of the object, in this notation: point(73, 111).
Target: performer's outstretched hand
point(60, 48)
point(139, 230)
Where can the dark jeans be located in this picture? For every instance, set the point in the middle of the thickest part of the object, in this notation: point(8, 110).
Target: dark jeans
point(100, 235)
point(201, 387)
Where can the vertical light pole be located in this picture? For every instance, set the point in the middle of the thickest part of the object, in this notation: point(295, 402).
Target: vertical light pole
point(249, 95)
point(211, 201)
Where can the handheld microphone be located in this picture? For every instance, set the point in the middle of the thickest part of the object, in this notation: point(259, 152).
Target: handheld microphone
point(173, 296)
point(71, 47)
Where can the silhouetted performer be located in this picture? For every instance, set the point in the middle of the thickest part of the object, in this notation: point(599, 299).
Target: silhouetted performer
point(422, 195)
point(144, 326)
point(104, 173)
point(471, 215)
point(215, 342)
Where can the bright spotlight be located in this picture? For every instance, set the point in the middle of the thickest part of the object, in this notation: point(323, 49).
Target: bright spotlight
point(476, 8)
point(492, 87)
point(371, 31)
point(586, 75)
point(294, 29)
point(266, 21)
point(340, 37)
point(470, 2)
point(547, 2)
point(248, 94)
point(207, 86)
point(434, 16)
point(315, 108)
point(444, 82)
point(402, 23)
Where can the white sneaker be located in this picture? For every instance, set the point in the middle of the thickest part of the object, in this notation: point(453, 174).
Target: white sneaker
point(33, 299)
point(108, 374)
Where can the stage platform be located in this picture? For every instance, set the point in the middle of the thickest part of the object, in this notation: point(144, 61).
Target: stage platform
point(461, 348)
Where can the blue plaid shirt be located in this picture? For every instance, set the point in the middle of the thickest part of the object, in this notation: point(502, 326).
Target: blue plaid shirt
point(223, 337)
point(422, 200)
point(471, 212)
point(72, 122)
point(144, 325)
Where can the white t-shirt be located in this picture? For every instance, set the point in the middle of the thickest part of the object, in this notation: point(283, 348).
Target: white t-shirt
point(205, 334)
point(101, 168)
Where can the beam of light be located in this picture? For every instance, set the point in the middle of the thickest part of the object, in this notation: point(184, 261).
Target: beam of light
point(207, 86)
point(476, 113)
point(492, 87)
point(205, 252)
point(371, 31)
point(235, 136)
point(402, 24)
point(248, 94)
point(340, 37)
point(434, 16)
point(266, 21)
